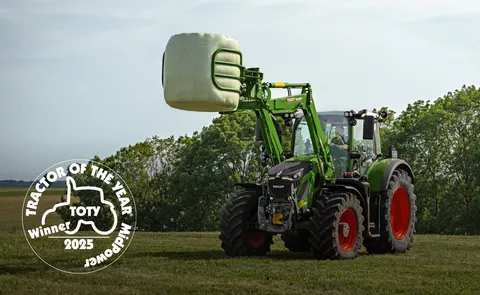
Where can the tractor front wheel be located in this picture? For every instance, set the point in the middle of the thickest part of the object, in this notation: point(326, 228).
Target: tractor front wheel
point(237, 226)
point(397, 213)
point(336, 228)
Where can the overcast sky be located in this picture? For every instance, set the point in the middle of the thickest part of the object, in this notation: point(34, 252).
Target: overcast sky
point(79, 78)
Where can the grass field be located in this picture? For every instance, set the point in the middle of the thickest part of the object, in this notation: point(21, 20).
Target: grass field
point(11, 201)
point(21, 191)
point(193, 263)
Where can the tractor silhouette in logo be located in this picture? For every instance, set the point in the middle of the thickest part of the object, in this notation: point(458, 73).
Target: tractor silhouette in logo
point(87, 213)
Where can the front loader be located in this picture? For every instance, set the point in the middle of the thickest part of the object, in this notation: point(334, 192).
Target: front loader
point(335, 192)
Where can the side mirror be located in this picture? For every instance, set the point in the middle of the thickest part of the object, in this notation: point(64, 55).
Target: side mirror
point(258, 131)
point(368, 127)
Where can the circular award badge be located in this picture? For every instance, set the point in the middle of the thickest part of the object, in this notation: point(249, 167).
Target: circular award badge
point(79, 216)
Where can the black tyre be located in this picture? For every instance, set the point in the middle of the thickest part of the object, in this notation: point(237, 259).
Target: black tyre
point(336, 229)
point(397, 223)
point(238, 236)
point(296, 241)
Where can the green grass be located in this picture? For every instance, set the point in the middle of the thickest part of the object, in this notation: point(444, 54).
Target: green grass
point(193, 263)
point(21, 191)
point(11, 202)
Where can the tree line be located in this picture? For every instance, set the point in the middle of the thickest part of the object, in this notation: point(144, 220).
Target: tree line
point(180, 184)
point(23, 183)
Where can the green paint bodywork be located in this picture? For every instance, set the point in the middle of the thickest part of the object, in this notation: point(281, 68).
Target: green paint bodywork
point(375, 173)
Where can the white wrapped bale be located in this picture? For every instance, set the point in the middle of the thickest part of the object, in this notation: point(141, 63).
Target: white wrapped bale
point(187, 73)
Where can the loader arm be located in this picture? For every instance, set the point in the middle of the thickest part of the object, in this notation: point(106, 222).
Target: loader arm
point(257, 97)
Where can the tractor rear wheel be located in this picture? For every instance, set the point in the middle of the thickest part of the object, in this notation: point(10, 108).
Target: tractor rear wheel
point(336, 228)
point(397, 213)
point(237, 232)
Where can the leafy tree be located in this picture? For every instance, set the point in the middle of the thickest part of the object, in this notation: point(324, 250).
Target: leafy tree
point(222, 154)
point(140, 166)
point(441, 142)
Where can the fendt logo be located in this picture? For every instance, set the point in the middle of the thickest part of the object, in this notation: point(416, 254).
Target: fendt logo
point(90, 227)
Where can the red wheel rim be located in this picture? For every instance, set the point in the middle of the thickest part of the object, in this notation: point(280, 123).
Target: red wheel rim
point(256, 239)
point(347, 230)
point(400, 213)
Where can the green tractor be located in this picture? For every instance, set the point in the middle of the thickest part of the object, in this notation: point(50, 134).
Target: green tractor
point(332, 194)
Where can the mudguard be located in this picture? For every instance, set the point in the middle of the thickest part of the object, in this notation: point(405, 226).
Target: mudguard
point(381, 171)
point(354, 189)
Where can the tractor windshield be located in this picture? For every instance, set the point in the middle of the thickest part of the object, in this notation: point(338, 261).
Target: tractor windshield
point(335, 128)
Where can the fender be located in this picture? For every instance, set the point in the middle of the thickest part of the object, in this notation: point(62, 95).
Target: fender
point(392, 166)
point(343, 187)
point(381, 171)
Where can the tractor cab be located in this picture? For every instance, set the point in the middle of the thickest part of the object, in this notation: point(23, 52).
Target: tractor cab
point(350, 141)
